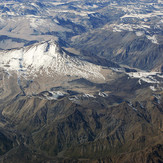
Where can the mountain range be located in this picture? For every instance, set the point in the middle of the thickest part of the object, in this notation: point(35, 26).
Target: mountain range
point(81, 81)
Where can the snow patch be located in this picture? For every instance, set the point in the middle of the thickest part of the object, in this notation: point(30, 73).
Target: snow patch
point(74, 99)
point(88, 96)
point(148, 77)
point(51, 95)
point(153, 39)
point(103, 94)
point(153, 88)
point(160, 76)
point(158, 97)
point(56, 94)
point(131, 105)
point(139, 81)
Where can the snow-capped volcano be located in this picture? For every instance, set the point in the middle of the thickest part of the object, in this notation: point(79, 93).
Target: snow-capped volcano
point(49, 58)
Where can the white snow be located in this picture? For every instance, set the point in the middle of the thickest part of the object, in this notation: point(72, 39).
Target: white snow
point(55, 95)
point(139, 33)
point(121, 27)
point(142, 16)
point(138, 29)
point(83, 13)
point(160, 76)
point(139, 81)
point(131, 105)
point(148, 77)
point(74, 99)
point(153, 39)
point(51, 95)
point(160, 1)
point(88, 95)
point(47, 57)
point(103, 94)
point(153, 88)
point(158, 97)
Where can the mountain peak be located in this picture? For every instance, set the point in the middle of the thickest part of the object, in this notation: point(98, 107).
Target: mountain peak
point(47, 57)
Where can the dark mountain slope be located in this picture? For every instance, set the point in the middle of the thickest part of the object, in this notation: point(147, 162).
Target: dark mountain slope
point(121, 47)
point(62, 129)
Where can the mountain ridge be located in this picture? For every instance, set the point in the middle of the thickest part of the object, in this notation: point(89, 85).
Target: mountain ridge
point(81, 81)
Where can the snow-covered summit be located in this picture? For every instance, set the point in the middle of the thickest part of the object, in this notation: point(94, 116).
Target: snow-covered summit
point(47, 57)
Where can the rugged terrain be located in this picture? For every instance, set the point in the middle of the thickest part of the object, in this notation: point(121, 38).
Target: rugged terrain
point(81, 81)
